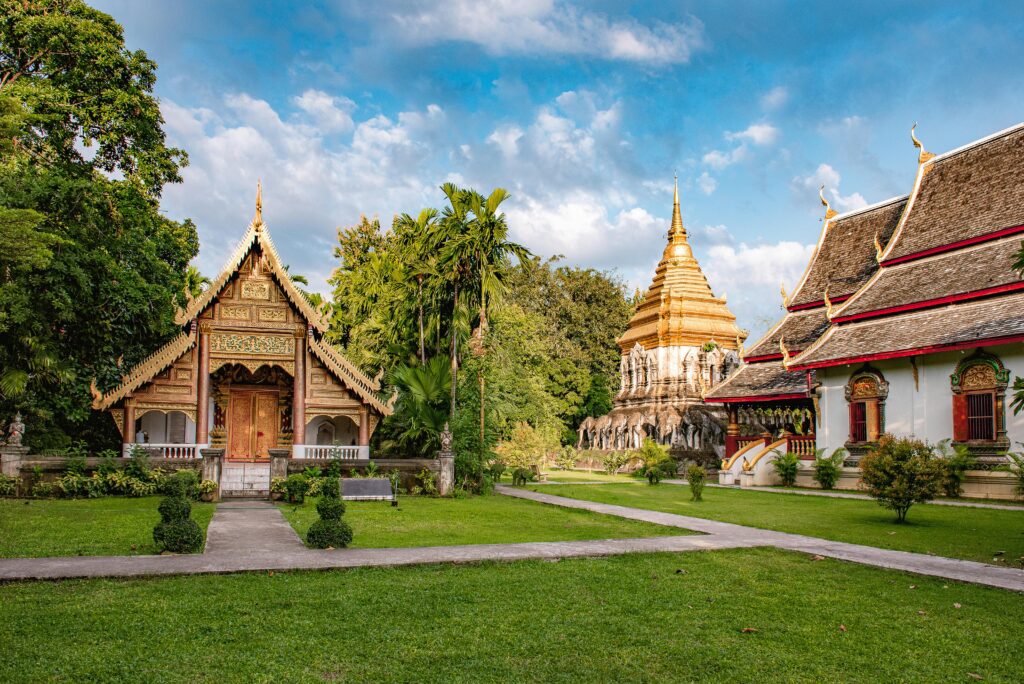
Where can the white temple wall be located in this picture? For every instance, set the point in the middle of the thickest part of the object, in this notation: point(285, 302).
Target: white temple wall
point(165, 428)
point(332, 430)
point(924, 412)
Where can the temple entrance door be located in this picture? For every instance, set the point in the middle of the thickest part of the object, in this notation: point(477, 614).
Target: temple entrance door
point(253, 421)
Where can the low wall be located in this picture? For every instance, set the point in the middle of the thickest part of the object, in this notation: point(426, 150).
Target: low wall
point(408, 468)
point(978, 484)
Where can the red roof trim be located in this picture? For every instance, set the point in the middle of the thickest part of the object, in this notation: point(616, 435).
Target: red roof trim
point(914, 351)
point(819, 303)
point(995, 235)
point(764, 357)
point(767, 397)
point(928, 303)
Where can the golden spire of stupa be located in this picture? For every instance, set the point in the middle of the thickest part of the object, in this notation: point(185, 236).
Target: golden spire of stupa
point(257, 220)
point(679, 307)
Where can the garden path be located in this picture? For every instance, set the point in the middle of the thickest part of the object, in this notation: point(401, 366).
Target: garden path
point(244, 528)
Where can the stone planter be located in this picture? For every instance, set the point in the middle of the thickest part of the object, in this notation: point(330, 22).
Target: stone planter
point(726, 477)
point(276, 496)
point(208, 496)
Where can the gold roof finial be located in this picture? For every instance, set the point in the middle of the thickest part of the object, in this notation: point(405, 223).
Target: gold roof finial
point(878, 249)
point(828, 304)
point(739, 347)
point(785, 297)
point(677, 217)
point(923, 156)
point(829, 211)
point(258, 218)
point(785, 352)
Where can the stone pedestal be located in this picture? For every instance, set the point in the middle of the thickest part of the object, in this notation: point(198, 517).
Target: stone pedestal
point(213, 460)
point(279, 463)
point(11, 458)
point(445, 472)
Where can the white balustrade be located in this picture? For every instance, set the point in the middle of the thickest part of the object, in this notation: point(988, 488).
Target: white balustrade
point(328, 452)
point(169, 451)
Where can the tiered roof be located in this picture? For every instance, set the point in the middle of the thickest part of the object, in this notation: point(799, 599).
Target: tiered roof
point(679, 307)
point(946, 279)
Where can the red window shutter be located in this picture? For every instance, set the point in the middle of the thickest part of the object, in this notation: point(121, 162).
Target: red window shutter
point(960, 433)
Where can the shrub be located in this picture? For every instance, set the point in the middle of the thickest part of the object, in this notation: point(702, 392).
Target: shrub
point(330, 487)
point(566, 459)
point(657, 462)
point(75, 465)
point(182, 483)
point(787, 466)
point(614, 460)
point(138, 465)
point(827, 469)
point(956, 461)
point(207, 487)
point(1016, 468)
point(696, 475)
point(135, 487)
point(43, 490)
point(296, 486)
point(174, 508)
point(278, 485)
point(428, 481)
point(312, 472)
point(520, 476)
point(900, 473)
point(330, 509)
point(496, 470)
point(329, 534)
point(333, 468)
point(372, 469)
point(314, 487)
point(8, 485)
point(179, 536)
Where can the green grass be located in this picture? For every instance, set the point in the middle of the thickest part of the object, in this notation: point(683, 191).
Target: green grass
point(585, 476)
point(425, 521)
point(628, 618)
point(111, 526)
point(968, 533)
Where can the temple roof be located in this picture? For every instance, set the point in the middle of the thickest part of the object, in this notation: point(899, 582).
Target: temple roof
point(959, 326)
point(964, 194)
point(146, 370)
point(845, 255)
point(935, 279)
point(679, 307)
point(763, 381)
point(799, 328)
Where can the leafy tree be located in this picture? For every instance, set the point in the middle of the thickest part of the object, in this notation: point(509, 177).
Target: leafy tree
point(419, 417)
point(195, 282)
point(900, 473)
point(82, 164)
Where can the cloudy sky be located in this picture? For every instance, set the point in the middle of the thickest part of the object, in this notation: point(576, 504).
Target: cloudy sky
point(582, 110)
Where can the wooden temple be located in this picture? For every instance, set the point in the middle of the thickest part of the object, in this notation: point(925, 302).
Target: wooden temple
point(250, 371)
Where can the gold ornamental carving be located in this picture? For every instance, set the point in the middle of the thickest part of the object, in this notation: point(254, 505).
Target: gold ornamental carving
point(173, 389)
point(235, 313)
point(183, 374)
point(979, 376)
point(865, 387)
point(255, 289)
point(272, 345)
point(273, 315)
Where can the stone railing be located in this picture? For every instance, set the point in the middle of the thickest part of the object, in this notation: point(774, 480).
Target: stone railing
point(168, 451)
point(802, 445)
point(328, 452)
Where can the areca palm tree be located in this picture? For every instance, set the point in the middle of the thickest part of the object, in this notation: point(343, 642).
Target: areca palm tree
point(416, 235)
point(195, 282)
point(454, 260)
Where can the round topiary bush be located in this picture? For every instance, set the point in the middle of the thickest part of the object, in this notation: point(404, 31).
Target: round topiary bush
point(330, 487)
point(179, 536)
point(174, 508)
point(330, 509)
point(324, 534)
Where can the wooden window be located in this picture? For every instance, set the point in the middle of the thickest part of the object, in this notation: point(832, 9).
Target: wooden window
point(865, 394)
point(981, 423)
point(978, 385)
point(858, 422)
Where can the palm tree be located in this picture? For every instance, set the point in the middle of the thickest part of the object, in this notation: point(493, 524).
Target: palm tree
point(195, 282)
point(455, 260)
point(420, 410)
point(416, 234)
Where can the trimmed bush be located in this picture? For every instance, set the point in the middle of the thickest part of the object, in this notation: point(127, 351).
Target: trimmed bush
point(696, 475)
point(324, 534)
point(900, 473)
point(179, 536)
point(174, 508)
point(330, 509)
point(296, 486)
point(330, 487)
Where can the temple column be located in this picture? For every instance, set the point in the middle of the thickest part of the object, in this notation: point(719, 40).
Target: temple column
point(299, 389)
point(364, 426)
point(203, 387)
point(128, 425)
point(732, 431)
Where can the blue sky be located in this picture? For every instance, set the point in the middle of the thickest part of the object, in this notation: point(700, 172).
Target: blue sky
point(583, 111)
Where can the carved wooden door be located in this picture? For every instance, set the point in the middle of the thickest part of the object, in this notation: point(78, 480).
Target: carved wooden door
point(240, 426)
point(267, 422)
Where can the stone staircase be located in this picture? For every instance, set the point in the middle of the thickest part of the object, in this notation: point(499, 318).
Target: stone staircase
point(245, 481)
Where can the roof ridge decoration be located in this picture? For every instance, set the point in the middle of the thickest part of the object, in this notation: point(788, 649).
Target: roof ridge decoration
point(355, 378)
point(923, 156)
point(830, 214)
point(829, 211)
point(257, 232)
point(828, 302)
point(785, 352)
point(144, 370)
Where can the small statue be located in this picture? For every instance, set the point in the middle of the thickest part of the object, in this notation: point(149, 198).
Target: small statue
point(15, 431)
point(446, 439)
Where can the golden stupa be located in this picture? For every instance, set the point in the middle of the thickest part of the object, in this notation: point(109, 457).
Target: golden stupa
point(681, 341)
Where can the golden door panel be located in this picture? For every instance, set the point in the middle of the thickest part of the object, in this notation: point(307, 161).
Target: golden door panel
point(267, 421)
point(240, 426)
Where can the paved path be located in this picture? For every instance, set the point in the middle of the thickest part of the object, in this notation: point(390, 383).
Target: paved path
point(922, 564)
point(245, 528)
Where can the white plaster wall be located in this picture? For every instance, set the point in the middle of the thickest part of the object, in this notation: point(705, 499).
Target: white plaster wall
point(346, 432)
point(924, 412)
point(154, 423)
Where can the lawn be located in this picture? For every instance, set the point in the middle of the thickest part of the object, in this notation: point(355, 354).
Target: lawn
point(425, 521)
point(649, 617)
point(585, 476)
point(968, 533)
point(111, 526)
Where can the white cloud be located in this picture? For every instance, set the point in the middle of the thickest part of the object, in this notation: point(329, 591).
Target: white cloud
point(507, 139)
point(830, 178)
point(774, 98)
point(331, 114)
point(532, 27)
point(706, 183)
point(759, 134)
point(718, 160)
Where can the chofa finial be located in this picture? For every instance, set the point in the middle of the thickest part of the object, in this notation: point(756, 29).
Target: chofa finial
point(785, 297)
point(785, 352)
point(828, 304)
point(878, 249)
point(923, 156)
point(829, 211)
point(258, 218)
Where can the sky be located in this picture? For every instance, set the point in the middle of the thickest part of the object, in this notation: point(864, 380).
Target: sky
point(583, 111)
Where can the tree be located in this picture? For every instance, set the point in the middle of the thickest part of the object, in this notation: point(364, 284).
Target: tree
point(900, 473)
point(82, 164)
point(195, 282)
point(419, 415)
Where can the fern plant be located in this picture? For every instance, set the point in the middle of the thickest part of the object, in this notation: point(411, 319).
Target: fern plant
point(786, 467)
point(1016, 467)
point(827, 469)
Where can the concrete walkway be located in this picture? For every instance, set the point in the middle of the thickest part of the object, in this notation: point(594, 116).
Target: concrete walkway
point(922, 564)
point(246, 528)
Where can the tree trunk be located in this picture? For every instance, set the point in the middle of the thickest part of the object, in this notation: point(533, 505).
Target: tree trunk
point(454, 350)
point(480, 373)
point(419, 298)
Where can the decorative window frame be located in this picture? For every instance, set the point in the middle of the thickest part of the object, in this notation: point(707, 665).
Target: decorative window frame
point(879, 397)
point(961, 382)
